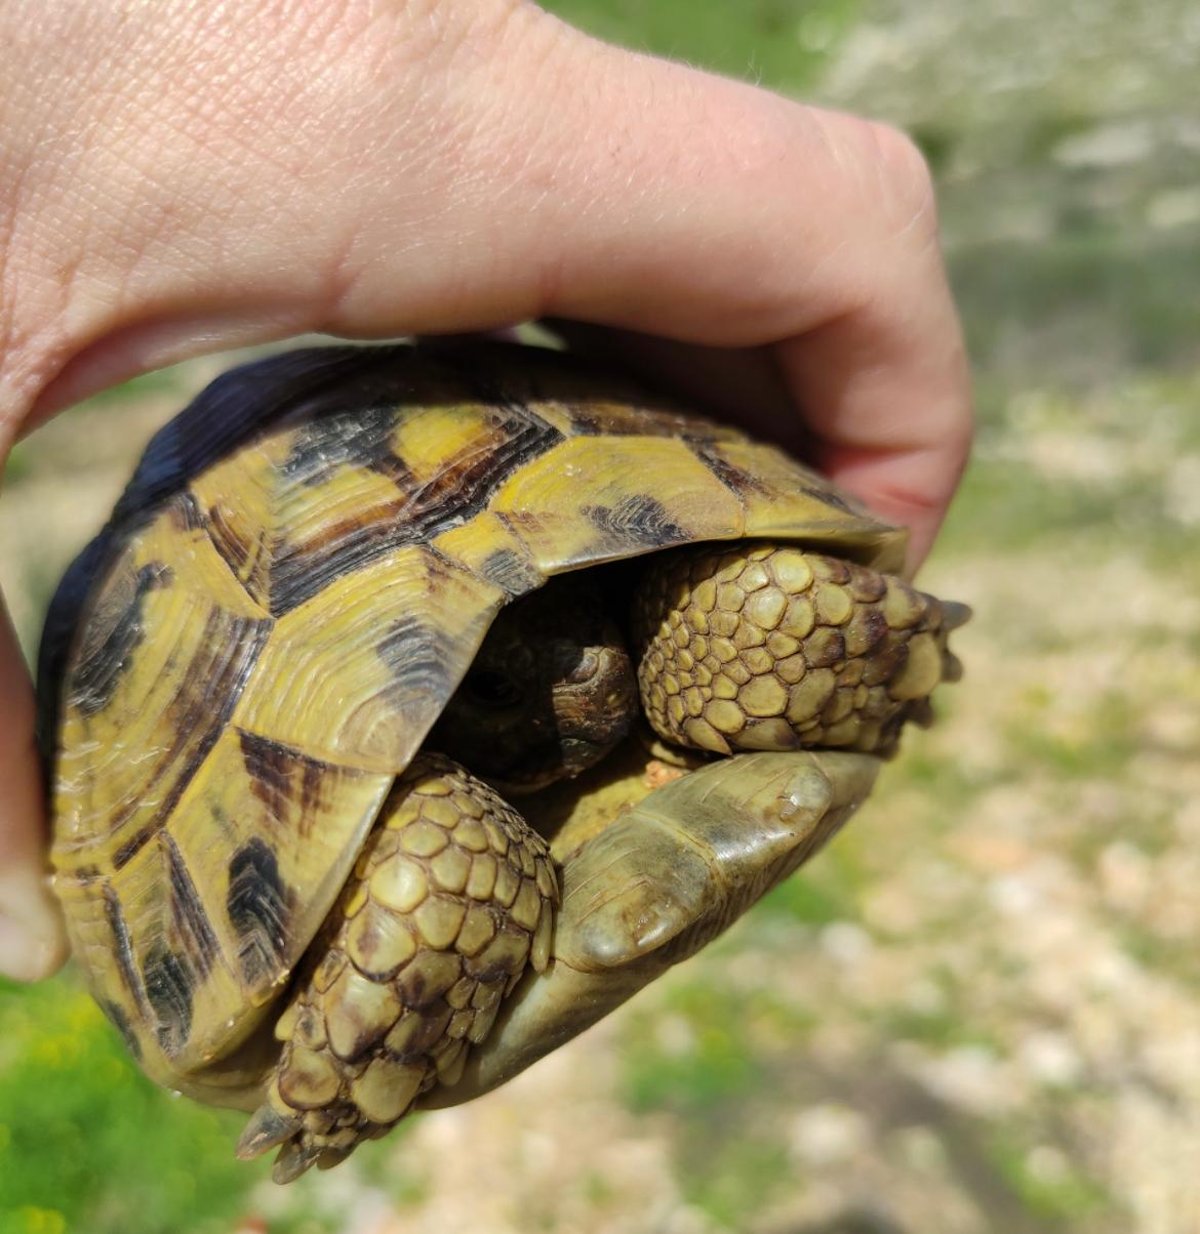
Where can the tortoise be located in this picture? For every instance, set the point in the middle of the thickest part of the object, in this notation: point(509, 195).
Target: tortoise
point(353, 600)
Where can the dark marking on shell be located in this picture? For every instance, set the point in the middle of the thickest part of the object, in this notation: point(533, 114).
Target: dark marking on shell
point(282, 778)
point(362, 439)
point(196, 938)
point(240, 404)
point(511, 570)
point(111, 637)
point(416, 654)
point(258, 906)
point(231, 646)
point(169, 987)
point(120, 1021)
point(422, 509)
point(123, 945)
point(738, 481)
point(246, 562)
point(639, 521)
point(185, 513)
point(127, 851)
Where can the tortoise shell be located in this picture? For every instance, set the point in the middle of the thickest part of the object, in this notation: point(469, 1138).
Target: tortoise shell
point(293, 584)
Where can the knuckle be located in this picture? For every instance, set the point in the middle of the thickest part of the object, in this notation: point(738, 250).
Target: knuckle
point(906, 178)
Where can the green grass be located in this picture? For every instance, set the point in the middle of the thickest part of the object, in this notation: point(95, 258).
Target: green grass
point(88, 1144)
point(1063, 1194)
point(782, 43)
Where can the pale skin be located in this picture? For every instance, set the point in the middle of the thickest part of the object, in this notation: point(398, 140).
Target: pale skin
point(185, 177)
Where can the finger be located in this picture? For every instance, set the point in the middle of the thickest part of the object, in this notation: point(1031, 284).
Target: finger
point(748, 387)
point(32, 944)
point(701, 209)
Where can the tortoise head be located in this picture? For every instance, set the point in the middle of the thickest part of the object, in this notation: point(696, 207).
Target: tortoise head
point(549, 694)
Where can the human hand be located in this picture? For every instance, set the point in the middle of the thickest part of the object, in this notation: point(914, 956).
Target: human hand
point(204, 176)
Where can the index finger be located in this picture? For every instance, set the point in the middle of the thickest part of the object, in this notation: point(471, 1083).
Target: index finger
point(718, 214)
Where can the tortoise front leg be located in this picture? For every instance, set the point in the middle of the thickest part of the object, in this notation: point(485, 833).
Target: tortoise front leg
point(451, 899)
point(657, 885)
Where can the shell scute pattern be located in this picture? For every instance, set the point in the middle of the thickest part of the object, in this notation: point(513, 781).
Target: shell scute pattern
point(297, 577)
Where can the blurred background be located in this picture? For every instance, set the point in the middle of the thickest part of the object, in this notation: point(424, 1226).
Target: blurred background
point(979, 1009)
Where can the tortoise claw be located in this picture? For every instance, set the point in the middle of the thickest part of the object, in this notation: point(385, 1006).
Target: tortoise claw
point(295, 1159)
point(954, 614)
point(266, 1129)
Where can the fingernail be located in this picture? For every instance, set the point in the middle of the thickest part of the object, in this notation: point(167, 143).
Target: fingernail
point(32, 942)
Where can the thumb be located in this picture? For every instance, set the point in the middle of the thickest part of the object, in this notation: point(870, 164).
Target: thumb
point(32, 944)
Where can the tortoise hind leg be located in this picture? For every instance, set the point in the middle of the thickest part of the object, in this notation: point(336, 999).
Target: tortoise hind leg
point(451, 899)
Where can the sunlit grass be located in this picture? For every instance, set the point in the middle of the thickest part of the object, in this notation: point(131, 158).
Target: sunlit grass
point(88, 1144)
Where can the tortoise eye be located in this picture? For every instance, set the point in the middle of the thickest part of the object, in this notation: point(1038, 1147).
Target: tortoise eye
point(492, 689)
